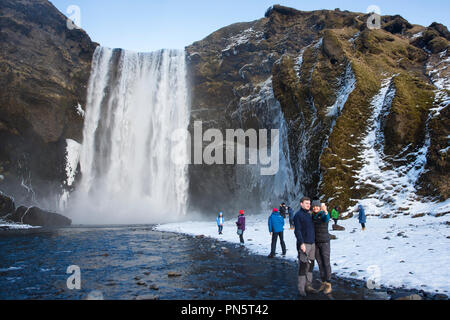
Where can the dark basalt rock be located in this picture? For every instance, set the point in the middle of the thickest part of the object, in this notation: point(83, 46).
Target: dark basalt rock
point(44, 71)
point(18, 214)
point(36, 217)
point(396, 25)
point(7, 205)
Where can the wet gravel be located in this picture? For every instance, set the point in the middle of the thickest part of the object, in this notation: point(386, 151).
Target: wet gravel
point(137, 262)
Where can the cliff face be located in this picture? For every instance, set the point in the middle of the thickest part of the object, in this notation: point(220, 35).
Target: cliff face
point(44, 70)
point(362, 113)
point(326, 70)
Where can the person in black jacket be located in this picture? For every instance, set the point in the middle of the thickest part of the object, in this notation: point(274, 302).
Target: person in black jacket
point(321, 219)
point(291, 217)
point(283, 210)
point(304, 232)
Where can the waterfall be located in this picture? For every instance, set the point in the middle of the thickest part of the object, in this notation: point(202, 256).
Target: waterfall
point(131, 171)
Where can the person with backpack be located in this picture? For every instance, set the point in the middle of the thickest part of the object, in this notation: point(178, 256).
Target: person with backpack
point(335, 214)
point(241, 226)
point(322, 242)
point(304, 232)
point(291, 217)
point(362, 217)
point(276, 227)
point(220, 222)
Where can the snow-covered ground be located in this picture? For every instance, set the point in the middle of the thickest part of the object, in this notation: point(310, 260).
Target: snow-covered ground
point(395, 252)
point(14, 226)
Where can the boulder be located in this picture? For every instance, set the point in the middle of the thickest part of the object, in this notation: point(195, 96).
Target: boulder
point(333, 237)
point(18, 214)
point(147, 297)
point(410, 297)
point(174, 274)
point(40, 218)
point(440, 296)
point(7, 205)
point(338, 228)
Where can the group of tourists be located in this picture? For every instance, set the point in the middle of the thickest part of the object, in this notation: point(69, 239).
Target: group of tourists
point(310, 225)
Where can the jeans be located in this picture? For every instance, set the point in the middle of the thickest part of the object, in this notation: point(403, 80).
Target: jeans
point(220, 229)
point(275, 236)
point(241, 237)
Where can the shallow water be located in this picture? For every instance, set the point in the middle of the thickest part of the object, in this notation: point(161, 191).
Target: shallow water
point(123, 262)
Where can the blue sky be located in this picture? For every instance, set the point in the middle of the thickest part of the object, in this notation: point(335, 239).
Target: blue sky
point(148, 25)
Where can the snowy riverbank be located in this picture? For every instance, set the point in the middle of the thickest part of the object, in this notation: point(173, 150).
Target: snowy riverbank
point(5, 225)
point(399, 252)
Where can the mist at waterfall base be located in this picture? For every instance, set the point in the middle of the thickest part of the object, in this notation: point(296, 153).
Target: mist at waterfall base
point(127, 172)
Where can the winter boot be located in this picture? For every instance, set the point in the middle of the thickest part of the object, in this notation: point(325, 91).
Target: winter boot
point(327, 289)
point(323, 286)
point(309, 289)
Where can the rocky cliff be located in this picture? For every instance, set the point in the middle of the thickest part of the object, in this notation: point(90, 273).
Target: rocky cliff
point(362, 112)
point(329, 73)
point(44, 70)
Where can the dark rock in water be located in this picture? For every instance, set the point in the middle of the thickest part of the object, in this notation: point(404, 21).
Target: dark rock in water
point(147, 297)
point(338, 228)
point(410, 297)
point(440, 296)
point(174, 274)
point(200, 236)
point(154, 287)
point(37, 217)
point(7, 205)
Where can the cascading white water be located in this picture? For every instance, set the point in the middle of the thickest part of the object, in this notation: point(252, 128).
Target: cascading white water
point(131, 171)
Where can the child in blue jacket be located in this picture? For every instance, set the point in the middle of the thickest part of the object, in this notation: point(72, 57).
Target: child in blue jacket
point(220, 222)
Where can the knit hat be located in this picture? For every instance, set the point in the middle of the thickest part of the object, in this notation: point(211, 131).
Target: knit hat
point(315, 203)
point(241, 212)
point(274, 210)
